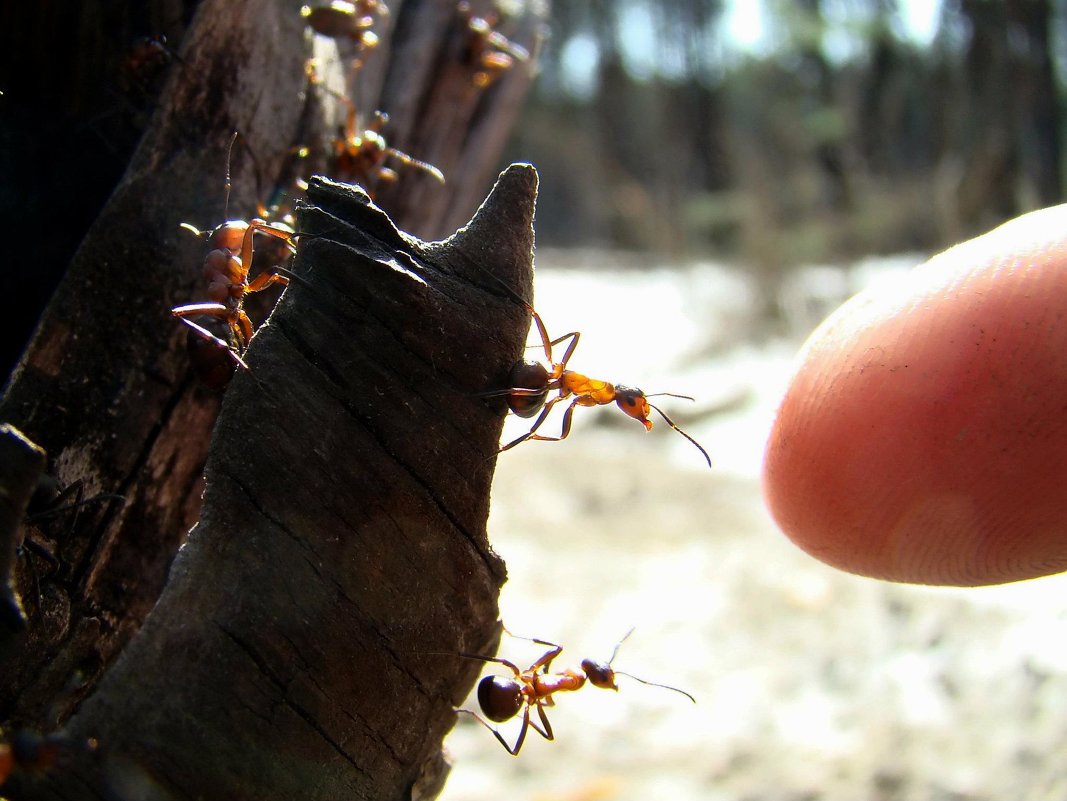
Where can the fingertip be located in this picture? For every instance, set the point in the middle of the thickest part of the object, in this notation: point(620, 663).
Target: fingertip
point(924, 435)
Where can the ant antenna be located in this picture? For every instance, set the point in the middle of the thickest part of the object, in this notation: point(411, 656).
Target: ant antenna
point(670, 395)
point(618, 645)
point(674, 425)
point(229, 184)
point(625, 636)
point(654, 684)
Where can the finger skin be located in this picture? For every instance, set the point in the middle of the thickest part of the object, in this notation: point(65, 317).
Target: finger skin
point(924, 435)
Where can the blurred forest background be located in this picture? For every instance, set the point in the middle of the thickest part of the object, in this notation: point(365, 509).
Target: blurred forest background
point(775, 133)
point(765, 133)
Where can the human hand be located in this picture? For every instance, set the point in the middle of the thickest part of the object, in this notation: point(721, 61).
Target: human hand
point(924, 435)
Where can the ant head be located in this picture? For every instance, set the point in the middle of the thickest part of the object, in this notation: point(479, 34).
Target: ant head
point(634, 403)
point(500, 698)
point(600, 674)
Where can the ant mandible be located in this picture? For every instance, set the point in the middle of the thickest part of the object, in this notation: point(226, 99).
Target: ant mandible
point(529, 383)
point(502, 697)
point(226, 268)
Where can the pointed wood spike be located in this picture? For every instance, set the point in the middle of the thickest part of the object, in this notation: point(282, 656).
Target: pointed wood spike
point(478, 252)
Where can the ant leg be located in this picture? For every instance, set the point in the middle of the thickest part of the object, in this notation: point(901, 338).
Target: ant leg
point(254, 227)
point(542, 331)
point(546, 732)
point(266, 279)
point(546, 658)
point(194, 309)
point(241, 327)
point(526, 723)
point(570, 348)
point(411, 161)
point(385, 176)
point(547, 344)
point(205, 334)
point(510, 665)
point(564, 431)
point(537, 424)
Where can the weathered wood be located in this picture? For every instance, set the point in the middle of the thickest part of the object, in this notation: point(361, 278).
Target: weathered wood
point(105, 385)
point(438, 115)
point(302, 647)
point(21, 465)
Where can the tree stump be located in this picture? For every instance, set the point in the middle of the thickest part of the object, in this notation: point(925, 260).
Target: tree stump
point(305, 645)
point(106, 389)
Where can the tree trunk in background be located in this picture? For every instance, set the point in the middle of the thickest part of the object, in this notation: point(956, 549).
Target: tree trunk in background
point(1035, 90)
point(105, 385)
point(988, 189)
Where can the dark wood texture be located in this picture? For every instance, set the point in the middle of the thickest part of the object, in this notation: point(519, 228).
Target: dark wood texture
point(22, 464)
point(106, 389)
point(303, 645)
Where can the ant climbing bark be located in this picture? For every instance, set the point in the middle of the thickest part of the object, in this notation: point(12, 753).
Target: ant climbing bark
point(503, 697)
point(226, 268)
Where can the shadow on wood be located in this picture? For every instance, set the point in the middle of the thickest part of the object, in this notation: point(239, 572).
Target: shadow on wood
point(301, 646)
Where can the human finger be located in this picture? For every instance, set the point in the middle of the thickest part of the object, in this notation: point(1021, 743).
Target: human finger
point(924, 434)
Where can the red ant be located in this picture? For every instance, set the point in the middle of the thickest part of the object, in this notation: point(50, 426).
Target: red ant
point(339, 19)
point(226, 269)
point(501, 697)
point(361, 156)
point(488, 52)
point(530, 382)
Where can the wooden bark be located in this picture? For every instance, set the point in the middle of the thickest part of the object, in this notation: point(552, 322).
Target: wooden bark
point(22, 464)
point(304, 644)
point(105, 387)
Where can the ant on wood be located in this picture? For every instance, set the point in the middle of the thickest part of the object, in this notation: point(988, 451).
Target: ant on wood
point(529, 383)
point(501, 697)
point(339, 19)
point(488, 52)
point(226, 269)
point(342, 20)
point(359, 156)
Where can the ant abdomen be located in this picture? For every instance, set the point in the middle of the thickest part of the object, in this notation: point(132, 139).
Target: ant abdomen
point(530, 378)
point(499, 697)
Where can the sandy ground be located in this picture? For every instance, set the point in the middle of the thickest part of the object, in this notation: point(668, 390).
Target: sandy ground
point(810, 683)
